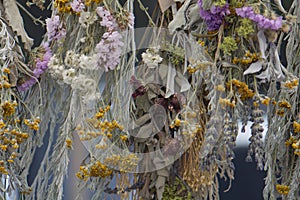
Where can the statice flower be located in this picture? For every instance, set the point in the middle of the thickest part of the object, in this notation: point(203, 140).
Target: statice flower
point(260, 20)
point(55, 31)
point(41, 66)
point(109, 50)
point(77, 6)
point(215, 16)
point(108, 20)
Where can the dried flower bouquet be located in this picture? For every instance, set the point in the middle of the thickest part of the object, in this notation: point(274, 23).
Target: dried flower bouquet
point(158, 108)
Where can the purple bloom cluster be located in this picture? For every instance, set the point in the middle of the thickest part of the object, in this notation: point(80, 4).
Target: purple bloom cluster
point(109, 49)
point(40, 67)
point(108, 20)
point(213, 17)
point(55, 31)
point(77, 6)
point(262, 22)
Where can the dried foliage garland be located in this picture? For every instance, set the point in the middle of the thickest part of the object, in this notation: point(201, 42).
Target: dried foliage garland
point(158, 124)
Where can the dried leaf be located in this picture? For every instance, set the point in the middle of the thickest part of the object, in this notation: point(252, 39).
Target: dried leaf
point(160, 186)
point(254, 68)
point(145, 132)
point(279, 6)
point(262, 43)
point(16, 22)
point(142, 120)
point(158, 116)
point(170, 81)
point(143, 103)
point(182, 82)
point(179, 20)
point(13, 76)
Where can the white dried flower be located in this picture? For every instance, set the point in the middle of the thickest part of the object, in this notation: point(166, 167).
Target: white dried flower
point(86, 19)
point(53, 61)
point(84, 84)
point(72, 59)
point(69, 75)
point(88, 62)
point(151, 59)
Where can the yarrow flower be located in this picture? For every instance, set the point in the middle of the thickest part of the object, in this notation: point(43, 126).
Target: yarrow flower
point(77, 6)
point(55, 31)
point(262, 21)
point(40, 67)
point(213, 17)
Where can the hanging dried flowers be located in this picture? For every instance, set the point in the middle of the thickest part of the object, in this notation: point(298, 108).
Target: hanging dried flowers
point(137, 108)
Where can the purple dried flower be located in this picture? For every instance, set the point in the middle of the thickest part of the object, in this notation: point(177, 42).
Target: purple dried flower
point(213, 17)
point(260, 20)
point(40, 67)
point(55, 31)
point(109, 50)
point(108, 20)
point(77, 6)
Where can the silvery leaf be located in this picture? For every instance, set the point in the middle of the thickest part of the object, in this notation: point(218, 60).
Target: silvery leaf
point(254, 68)
point(16, 22)
point(262, 43)
point(264, 75)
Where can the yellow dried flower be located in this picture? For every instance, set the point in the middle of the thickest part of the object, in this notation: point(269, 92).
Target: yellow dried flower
point(266, 101)
point(296, 126)
point(2, 124)
point(69, 143)
point(282, 189)
point(280, 113)
point(6, 70)
point(284, 104)
point(220, 88)
point(123, 138)
point(8, 109)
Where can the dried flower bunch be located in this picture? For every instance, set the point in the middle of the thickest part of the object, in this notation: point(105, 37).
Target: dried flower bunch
point(159, 117)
